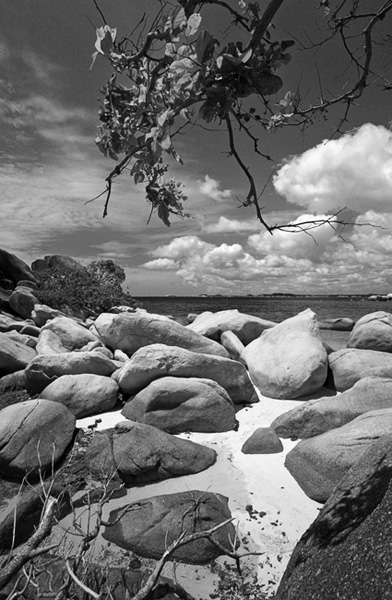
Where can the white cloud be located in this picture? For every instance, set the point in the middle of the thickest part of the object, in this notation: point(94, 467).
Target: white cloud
point(225, 225)
point(354, 171)
point(310, 244)
point(161, 264)
point(210, 187)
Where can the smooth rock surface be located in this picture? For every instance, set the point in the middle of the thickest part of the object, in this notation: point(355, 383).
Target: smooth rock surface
point(346, 552)
point(246, 327)
point(14, 356)
point(50, 343)
point(140, 453)
point(73, 336)
point(131, 331)
point(317, 416)
point(351, 364)
point(262, 441)
point(155, 523)
point(13, 268)
point(33, 436)
point(176, 405)
point(84, 395)
point(22, 301)
point(44, 369)
point(289, 360)
point(319, 463)
point(159, 360)
point(372, 332)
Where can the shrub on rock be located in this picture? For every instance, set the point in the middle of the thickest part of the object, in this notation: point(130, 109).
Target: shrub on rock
point(149, 526)
point(33, 436)
point(289, 360)
point(178, 404)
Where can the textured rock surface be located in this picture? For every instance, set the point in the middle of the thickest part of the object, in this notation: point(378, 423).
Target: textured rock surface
point(18, 525)
point(13, 268)
point(351, 364)
point(142, 454)
point(44, 369)
point(233, 345)
point(339, 324)
point(317, 416)
point(289, 360)
point(22, 301)
point(14, 356)
point(49, 343)
point(372, 332)
point(246, 327)
point(156, 522)
point(33, 435)
point(84, 395)
point(346, 552)
point(320, 462)
point(131, 331)
point(158, 360)
point(73, 336)
point(177, 404)
point(262, 441)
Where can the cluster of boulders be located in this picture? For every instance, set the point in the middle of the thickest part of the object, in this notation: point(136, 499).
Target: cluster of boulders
point(169, 379)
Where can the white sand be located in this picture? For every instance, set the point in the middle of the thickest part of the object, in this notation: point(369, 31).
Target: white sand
point(260, 481)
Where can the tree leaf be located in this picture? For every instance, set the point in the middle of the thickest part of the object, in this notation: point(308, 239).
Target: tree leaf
point(179, 20)
point(193, 24)
point(205, 45)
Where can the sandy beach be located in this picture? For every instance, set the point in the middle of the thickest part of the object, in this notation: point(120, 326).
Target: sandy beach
point(271, 511)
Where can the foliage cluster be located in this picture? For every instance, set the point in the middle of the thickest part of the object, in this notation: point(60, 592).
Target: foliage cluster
point(86, 291)
point(172, 74)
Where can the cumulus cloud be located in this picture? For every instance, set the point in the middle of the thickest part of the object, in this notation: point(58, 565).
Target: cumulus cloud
point(210, 187)
point(297, 243)
point(225, 225)
point(354, 171)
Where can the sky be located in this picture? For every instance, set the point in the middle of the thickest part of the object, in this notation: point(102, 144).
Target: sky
point(50, 168)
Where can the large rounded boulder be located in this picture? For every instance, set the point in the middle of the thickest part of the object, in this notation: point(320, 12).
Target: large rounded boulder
point(317, 416)
point(319, 463)
point(372, 332)
point(139, 453)
point(346, 552)
point(348, 365)
point(73, 335)
point(33, 436)
point(246, 327)
point(177, 405)
point(13, 268)
point(131, 331)
point(149, 526)
point(289, 360)
point(14, 356)
point(44, 369)
point(84, 395)
point(159, 360)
